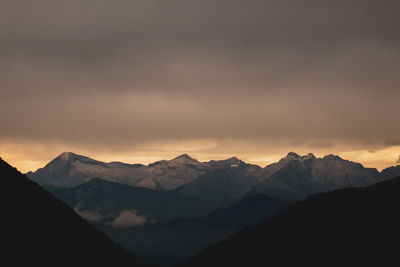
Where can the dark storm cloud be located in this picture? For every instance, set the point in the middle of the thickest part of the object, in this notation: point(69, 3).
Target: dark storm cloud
point(131, 71)
point(392, 141)
point(321, 144)
point(206, 45)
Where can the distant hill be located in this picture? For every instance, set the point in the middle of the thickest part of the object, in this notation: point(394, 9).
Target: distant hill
point(183, 238)
point(348, 227)
point(103, 200)
point(38, 229)
point(293, 178)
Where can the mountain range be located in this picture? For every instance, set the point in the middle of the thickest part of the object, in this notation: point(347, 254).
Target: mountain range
point(174, 214)
point(347, 227)
point(190, 205)
point(69, 170)
point(38, 229)
point(293, 178)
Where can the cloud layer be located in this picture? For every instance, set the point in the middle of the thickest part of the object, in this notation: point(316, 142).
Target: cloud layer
point(108, 76)
point(88, 215)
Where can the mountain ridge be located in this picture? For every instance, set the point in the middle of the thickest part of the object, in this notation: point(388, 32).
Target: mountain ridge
point(294, 177)
point(69, 170)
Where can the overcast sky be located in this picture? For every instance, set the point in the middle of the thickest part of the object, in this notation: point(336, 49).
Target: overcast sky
point(143, 80)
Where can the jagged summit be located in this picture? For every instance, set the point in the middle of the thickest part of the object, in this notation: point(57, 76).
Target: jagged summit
point(70, 157)
point(310, 155)
point(233, 162)
point(66, 155)
point(295, 156)
point(332, 157)
point(233, 159)
point(292, 155)
point(183, 158)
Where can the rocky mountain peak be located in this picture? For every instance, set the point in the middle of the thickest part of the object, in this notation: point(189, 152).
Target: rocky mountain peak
point(233, 159)
point(294, 156)
point(184, 156)
point(66, 156)
point(332, 157)
point(310, 155)
point(291, 156)
point(183, 159)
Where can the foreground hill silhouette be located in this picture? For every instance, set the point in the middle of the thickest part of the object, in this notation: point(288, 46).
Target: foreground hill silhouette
point(39, 229)
point(349, 227)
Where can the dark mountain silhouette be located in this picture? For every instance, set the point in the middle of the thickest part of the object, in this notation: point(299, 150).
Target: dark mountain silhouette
point(391, 172)
point(183, 238)
point(38, 229)
point(348, 227)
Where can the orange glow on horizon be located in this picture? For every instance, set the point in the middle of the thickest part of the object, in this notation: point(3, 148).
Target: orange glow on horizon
point(30, 157)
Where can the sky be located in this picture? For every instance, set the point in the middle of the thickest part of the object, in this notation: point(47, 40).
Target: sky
point(143, 80)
